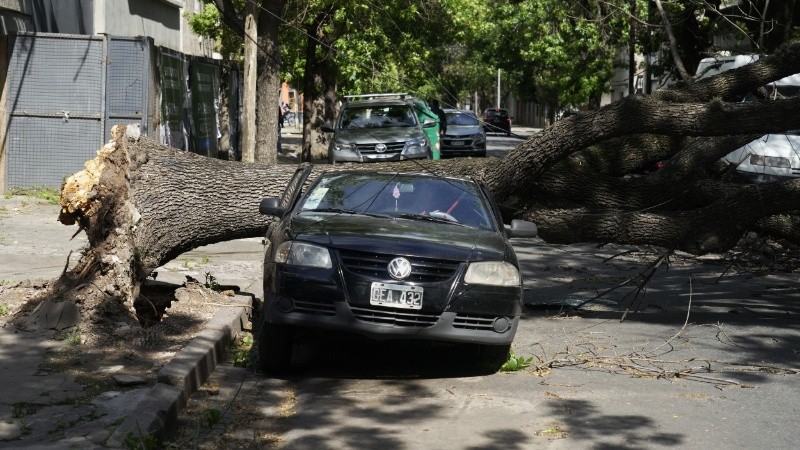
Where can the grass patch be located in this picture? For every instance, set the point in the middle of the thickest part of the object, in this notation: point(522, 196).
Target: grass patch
point(22, 409)
point(74, 338)
point(4, 311)
point(49, 195)
point(210, 417)
point(553, 431)
point(516, 363)
point(241, 351)
point(133, 441)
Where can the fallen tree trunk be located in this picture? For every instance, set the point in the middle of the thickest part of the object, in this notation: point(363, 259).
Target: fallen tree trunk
point(142, 204)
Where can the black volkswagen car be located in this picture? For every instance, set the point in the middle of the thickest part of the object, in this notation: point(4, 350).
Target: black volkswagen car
point(389, 256)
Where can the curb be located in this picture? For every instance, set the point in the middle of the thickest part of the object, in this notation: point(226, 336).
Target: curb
point(183, 375)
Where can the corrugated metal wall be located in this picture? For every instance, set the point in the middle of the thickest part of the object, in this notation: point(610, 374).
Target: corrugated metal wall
point(55, 113)
point(65, 92)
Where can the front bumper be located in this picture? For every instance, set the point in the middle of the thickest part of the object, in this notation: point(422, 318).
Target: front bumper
point(357, 156)
point(382, 323)
point(452, 311)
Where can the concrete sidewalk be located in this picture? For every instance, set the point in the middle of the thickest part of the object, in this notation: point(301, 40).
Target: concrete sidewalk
point(45, 408)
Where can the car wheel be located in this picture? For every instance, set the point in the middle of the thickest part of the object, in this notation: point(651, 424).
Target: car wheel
point(492, 357)
point(275, 344)
point(330, 157)
point(481, 153)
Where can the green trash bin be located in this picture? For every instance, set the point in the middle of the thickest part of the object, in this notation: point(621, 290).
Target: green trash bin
point(433, 132)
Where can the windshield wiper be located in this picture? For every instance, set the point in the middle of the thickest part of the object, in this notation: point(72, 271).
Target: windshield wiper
point(429, 219)
point(333, 210)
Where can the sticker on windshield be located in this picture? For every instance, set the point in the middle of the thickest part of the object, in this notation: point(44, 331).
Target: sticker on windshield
point(315, 197)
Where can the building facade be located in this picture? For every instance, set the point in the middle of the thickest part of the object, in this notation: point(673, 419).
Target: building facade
point(162, 20)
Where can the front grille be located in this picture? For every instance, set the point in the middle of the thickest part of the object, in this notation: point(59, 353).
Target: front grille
point(474, 322)
point(321, 308)
point(375, 265)
point(394, 317)
point(391, 148)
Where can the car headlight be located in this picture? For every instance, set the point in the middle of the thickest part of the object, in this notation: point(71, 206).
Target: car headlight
point(479, 137)
point(340, 147)
point(771, 161)
point(416, 143)
point(303, 254)
point(492, 273)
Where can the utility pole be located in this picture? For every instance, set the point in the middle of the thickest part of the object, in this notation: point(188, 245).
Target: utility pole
point(498, 88)
point(249, 85)
point(632, 49)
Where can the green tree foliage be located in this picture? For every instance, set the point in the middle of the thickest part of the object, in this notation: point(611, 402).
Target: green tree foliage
point(558, 53)
point(208, 23)
point(704, 28)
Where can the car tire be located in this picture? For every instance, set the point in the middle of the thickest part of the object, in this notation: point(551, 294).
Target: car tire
point(481, 153)
point(492, 357)
point(275, 344)
point(330, 158)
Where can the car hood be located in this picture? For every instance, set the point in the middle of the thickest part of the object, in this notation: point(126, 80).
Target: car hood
point(401, 237)
point(463, 130)
point(378, 135)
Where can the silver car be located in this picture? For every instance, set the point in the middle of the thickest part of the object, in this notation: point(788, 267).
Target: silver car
point(465, 135)
point(378, 130)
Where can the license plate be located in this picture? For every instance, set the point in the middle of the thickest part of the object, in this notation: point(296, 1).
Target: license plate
point(396, 295)
point(458, 143)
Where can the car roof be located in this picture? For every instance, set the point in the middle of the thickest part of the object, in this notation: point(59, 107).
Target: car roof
point(377, 102)
point(385, 172)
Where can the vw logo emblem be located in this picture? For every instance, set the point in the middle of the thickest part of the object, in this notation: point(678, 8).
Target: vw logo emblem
point(399, 268)
point(380, 148)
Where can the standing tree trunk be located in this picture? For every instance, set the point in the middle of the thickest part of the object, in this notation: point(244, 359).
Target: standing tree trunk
point(269, 83)
point(319, 86)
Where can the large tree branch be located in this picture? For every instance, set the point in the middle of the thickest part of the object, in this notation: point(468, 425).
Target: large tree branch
point(673, 43)
point(714, 228)
point(637, 115)
point(680, 185)
point(732, 85)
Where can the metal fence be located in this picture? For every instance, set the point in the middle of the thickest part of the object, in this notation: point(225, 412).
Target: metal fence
point(65, 92)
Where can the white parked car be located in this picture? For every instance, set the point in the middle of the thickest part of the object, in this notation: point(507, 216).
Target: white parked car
point(770, 157)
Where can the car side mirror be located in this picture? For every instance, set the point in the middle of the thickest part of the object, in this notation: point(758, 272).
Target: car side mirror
point(271, 206)
point(522, 229)
point(428, 123)
point(326, 128)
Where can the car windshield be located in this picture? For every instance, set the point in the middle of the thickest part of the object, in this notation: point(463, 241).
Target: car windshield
point(462, 119)
point(371, 116)
point(415, 197)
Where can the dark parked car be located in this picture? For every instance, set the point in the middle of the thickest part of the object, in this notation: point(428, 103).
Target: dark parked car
point(389, 256)
point(465, 135)
point(496, 120)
